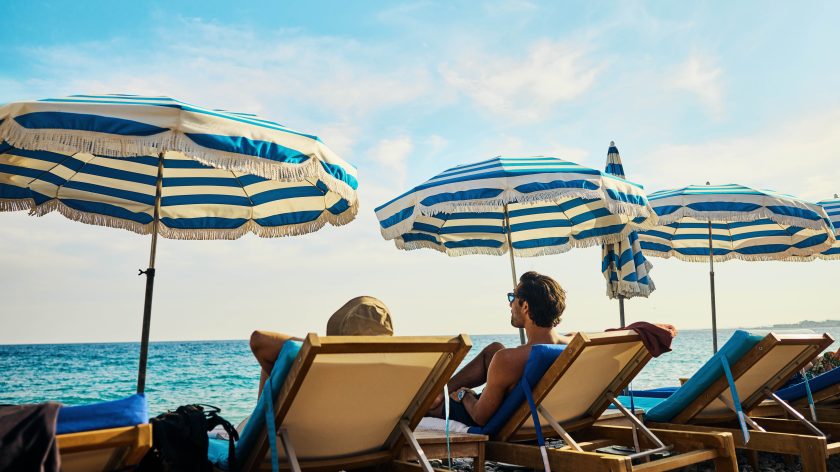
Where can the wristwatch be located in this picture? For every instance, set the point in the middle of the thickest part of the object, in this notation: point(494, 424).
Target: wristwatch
point(461, 394)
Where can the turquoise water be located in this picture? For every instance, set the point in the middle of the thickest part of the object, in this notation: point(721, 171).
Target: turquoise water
point(223, 373)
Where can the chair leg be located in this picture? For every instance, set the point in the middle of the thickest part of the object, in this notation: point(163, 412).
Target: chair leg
point(813, 457)
point(478, 461)
point(752, 458)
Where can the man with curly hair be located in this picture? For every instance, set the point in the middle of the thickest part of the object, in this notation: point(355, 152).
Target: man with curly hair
point(536, 306)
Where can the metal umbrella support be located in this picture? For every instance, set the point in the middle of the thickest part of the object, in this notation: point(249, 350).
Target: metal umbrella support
point(512, 263)
point(150, 283)
point(712, 283)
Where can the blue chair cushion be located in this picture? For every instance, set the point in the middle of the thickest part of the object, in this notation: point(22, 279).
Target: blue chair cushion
point(734, 349)
point(662, 392)
point(642, 403)
point(217, 452)
point(797, 391)
point(540, 359)
point(129, 411)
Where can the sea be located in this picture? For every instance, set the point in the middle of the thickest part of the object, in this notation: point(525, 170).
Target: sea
point(226, 375)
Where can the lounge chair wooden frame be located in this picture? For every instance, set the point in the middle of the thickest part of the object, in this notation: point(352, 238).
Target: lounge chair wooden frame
point(128, 445)
point(580, 452)
point(453, 351)
point(796, 437)
point(826, 405)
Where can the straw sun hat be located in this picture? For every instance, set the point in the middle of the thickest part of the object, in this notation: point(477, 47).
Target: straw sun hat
point(361, 316)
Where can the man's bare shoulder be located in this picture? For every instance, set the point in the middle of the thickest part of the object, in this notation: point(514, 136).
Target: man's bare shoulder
point(513, 357)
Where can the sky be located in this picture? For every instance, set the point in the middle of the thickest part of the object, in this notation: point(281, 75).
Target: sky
point(690, 92)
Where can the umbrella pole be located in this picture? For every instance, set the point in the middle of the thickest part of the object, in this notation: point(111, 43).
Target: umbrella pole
point(620, 297)
point(512, 264)
point(150, 283)
point(621, 309)
point(712, 284)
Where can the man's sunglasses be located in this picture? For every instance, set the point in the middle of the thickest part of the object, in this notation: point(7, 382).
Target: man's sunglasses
point(511, 297)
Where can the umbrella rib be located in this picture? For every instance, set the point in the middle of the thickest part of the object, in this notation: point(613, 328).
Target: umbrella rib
point(75, 172)
point(49, 171)
point(242, 187)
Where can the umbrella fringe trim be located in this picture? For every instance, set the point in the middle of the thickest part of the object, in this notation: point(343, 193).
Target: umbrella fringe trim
point(759, 214)
point(70, 142)
point(496, 204)
point(629, 290)
point(784, 257)
point(17, 205)
point(197, 234)
point(529, 252)
point(511, 196)
point(825, 257)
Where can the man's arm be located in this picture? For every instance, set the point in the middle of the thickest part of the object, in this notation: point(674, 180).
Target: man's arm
point(501, 374)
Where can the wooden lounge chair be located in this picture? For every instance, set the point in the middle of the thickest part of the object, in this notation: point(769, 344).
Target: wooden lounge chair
point(349, 401)
point(571, 395)
point(104, 450)
point(103, 436)
point(757, 367)
point(823, 406)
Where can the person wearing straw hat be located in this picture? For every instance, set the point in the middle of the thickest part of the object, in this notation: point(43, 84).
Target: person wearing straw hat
point(361, 316)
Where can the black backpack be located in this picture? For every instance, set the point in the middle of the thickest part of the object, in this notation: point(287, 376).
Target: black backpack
point(179, 440)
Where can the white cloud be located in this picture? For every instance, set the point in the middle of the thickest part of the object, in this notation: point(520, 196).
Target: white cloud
point(797, 157)
point(525, 88)
point(278, 76)
point(435, 144)
point(700, 75)
point(510, 7)
point(392, 154)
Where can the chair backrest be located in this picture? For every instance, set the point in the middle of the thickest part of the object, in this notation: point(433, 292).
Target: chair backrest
point(344, 396)
point(104, 449)
point(767, 365)
point(823, 387)
point(575, 388)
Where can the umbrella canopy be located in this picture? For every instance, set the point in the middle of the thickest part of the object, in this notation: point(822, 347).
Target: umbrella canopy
point(746, 224)
point(131, 126)
point(623, 264)
point(552, 204)
point(712, 223)
point(197, 201)
point(527, 206)
point(213, 173)
point(832, 209)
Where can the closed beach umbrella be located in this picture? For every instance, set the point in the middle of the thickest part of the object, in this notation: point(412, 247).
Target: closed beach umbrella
point(623, 264)
point(154, 165)
point(528, 206)
point(716, 223)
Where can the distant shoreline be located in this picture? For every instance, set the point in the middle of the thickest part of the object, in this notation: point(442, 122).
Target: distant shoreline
point(801, 324)
point(807, 324)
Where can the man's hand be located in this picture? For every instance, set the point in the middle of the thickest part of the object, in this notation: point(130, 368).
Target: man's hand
point(459, 394)
point(668, 327)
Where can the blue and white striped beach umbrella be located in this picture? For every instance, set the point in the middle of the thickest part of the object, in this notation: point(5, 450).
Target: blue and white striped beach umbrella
point(197, 201)
point(832, 209)
point(623, 264)
point(155, 165)
point(553, 205)
point(527, 206)
point(712, 223)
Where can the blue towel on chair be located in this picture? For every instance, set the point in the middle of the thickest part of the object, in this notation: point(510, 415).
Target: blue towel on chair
point(734, 349)
point(218, 449)
point(127, 411)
